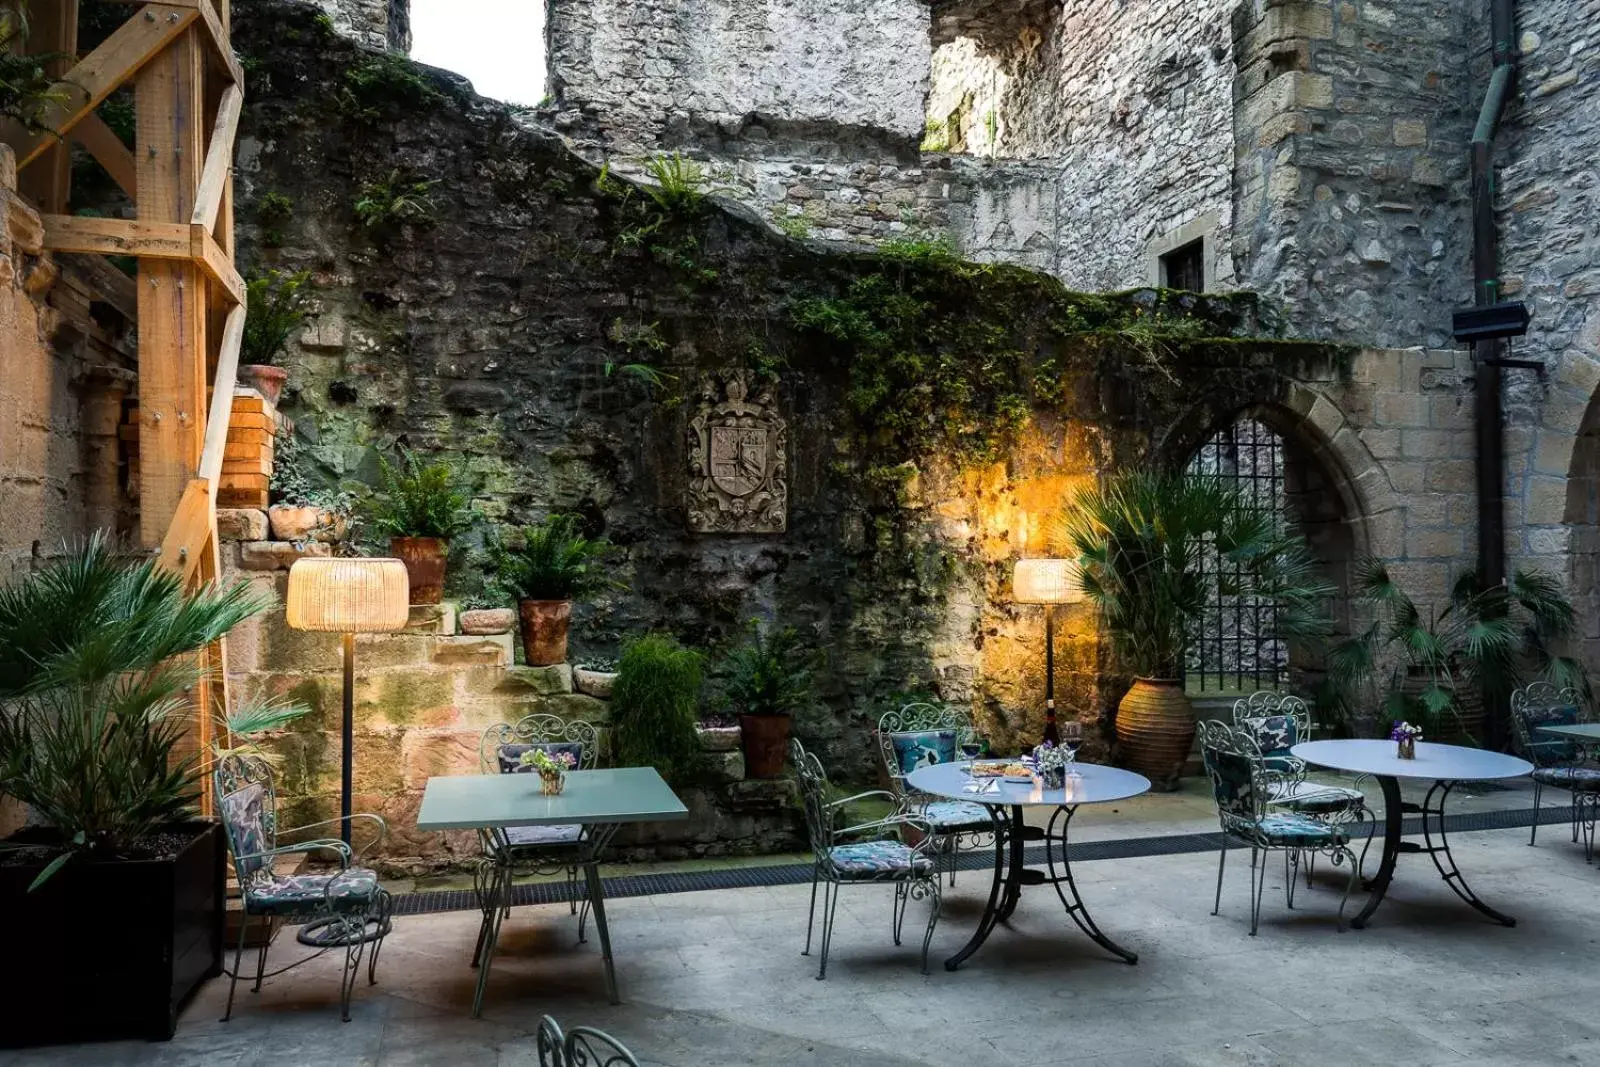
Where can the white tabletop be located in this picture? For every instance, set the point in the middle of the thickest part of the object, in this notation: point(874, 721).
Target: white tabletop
point(614, 795)
point(1574, 731)
point(1434, 762)
point(1095, 785)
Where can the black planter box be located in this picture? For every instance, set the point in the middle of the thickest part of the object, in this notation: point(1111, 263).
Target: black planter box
point(110, 950)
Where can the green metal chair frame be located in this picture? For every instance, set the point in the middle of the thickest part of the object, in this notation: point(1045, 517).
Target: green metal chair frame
point(1556, 763)
point(969, 825)
point(916, 879)
point(582, 1046)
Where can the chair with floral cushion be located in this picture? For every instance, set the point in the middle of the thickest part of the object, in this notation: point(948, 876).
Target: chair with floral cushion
point(1557, 762)
point(349, 900)
point(1240, 783)
point(582, 1046)
point(1278, 722)
point(540, 849)
point(919, 735)
point(839, 860)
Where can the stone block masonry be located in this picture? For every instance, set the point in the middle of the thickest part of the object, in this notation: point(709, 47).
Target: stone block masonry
point(384, 25)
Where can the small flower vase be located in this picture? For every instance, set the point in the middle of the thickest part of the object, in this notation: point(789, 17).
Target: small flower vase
point(1054, 777)
point(551, 783)
point(1407, 748)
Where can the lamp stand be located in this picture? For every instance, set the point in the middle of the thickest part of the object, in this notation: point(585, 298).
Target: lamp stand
point(328, 933)
point(1051, 733)
point(347, 760)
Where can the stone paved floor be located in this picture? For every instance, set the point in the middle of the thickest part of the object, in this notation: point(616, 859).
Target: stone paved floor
point(716, 978)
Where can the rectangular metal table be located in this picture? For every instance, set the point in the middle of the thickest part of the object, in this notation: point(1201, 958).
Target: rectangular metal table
point(600, 801)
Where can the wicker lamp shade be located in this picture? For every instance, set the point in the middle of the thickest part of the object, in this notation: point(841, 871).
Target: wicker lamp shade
point(356, 595)
point(1045, 581)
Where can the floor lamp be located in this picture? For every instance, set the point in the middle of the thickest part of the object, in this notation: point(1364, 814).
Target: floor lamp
point(346, 596)
point(1048, 582)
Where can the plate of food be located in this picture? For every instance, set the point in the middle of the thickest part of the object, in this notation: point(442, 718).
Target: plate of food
point(987, 769)
point(1017, 772)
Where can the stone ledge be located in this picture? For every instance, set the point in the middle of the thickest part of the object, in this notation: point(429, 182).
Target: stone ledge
point(538, 681)
point(487, 650)
point(484, 621)
point(278, 555)
point(719, 738)
point(432, 619)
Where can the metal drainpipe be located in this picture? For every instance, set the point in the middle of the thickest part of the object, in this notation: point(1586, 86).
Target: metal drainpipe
point(1490, 415)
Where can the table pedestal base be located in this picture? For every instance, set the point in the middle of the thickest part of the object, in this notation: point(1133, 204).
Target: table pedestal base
point(1010, 875)
point(1432, 812)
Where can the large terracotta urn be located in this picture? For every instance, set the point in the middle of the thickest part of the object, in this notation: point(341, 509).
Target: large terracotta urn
point(544, 631)
point(1155, 730)
point(425, 559)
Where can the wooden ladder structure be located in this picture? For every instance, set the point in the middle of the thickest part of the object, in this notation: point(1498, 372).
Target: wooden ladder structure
point(188, 93)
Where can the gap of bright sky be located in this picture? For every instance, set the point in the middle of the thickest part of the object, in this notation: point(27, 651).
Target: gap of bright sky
point(498, 44)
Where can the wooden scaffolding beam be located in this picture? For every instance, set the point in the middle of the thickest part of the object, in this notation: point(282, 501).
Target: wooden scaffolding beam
point(188, 96)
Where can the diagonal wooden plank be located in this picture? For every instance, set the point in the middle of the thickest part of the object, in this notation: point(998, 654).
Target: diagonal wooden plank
point(219, 159)
point(122, 55)
point(109, 151)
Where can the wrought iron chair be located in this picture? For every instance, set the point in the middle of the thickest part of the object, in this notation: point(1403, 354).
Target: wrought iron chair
point(353, 903)
point(583, 1046)
point(1278, 722)
point(882, 859)
point(920, 734)
point(1557, 762)
point(1241, 786)
point(538, 849)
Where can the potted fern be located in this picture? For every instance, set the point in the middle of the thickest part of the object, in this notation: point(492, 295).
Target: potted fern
point(277, 307)
point(1430, 664)
point(765, 680)
point(420, 507)
point(95, 662)
point(545, 567)
point(1145, 543)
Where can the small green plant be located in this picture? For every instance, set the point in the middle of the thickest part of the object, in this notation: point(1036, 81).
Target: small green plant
point(655, 706)
point(279, 304)
point(298, 481)
point(642, 339)
point(26, 85)
point(679, 183)
point(93, 675)
point(770, 673)
point(552, 561)
point(936, 136)
point(394, 199)
point(272, 211)
point(383, 85)
point(419, 500)
point(795, 226)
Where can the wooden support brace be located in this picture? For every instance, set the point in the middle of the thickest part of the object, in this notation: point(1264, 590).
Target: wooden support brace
point(83, 88)
point(147, 240)
point(109, 151)
point(219, 159)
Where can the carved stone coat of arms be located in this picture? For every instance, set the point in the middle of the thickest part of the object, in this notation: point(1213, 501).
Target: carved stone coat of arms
point(738, 459)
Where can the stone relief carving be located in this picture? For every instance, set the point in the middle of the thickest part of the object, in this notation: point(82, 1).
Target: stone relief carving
point(738, 458)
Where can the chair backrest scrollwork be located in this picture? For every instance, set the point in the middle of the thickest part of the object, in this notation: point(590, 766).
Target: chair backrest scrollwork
point(1544, 703)
point(503, 743)
point(584, 1046)
point(1233, 762)
point(248, 805)
point(920, 718)
point(1279, 721)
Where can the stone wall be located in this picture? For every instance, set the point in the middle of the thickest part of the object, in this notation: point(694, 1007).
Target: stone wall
point(1351, 130)
point(642, 74)
point(381, 24)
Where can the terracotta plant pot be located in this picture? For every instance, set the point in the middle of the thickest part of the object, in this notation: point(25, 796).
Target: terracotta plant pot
point(266, 380)
point(1155, 730)
point(766, 744)
point(424, 558)
point(544, 631)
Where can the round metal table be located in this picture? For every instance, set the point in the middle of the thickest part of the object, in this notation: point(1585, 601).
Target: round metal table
point(1005, 800)
point(1446, 766)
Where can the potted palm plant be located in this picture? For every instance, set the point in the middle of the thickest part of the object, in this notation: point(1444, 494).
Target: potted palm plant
point(1148, 547)
point(545, 567)
point(765, 680)
point(95, 660)
point(277, 307)
point(1432, 665)
point(421, 507)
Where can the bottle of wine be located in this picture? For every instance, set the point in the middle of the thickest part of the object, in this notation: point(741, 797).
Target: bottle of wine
point(1052, 734)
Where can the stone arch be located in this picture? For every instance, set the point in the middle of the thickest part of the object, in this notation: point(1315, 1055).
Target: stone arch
point(1338, 494)
point(1578, 535)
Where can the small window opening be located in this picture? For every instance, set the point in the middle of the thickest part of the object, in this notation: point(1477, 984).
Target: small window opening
point(1185, 267)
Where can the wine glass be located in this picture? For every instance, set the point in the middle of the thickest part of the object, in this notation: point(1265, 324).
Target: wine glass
point(971, 748)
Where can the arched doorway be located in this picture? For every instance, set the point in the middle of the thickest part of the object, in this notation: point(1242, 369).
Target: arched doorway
point(1274, 465)
point(1582, 517)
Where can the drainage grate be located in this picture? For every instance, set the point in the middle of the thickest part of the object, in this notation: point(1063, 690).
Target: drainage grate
point(639, 885)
